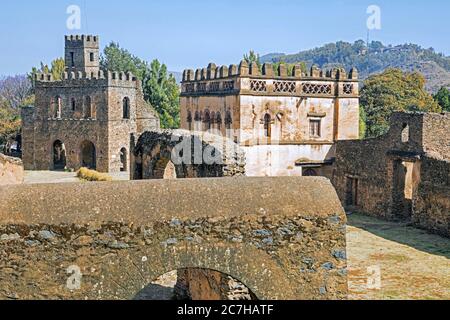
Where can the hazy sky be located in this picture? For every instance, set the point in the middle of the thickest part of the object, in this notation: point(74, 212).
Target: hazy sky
point(184, 33)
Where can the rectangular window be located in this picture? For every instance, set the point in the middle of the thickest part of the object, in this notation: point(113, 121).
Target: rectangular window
point(315, 128)
point(92, 57)
point(72, 59)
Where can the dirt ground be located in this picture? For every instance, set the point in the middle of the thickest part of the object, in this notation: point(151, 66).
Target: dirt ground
point(37, 177)
point(412, 263)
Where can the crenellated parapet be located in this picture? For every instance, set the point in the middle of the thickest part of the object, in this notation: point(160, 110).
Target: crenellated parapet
point(108, 78)
point(250, 78)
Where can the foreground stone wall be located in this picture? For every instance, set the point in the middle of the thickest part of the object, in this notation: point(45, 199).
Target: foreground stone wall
point(11, 170)
point(283, 238)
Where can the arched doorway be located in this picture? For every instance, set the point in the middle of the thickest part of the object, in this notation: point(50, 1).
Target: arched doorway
point(164, 169)
point(59, 155)
point(310, 173)
point(196, 284)
point(123, 160)
point(88, 155)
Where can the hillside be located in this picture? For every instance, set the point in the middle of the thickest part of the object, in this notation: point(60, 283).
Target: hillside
point(408, 57)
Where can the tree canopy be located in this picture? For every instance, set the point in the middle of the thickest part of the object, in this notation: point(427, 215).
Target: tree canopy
point(392, 91)
point(160, 88)
point(442, 97)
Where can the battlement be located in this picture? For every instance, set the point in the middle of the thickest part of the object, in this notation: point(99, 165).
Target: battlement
point(112, 78)
point(213, 72)
point(84, 41)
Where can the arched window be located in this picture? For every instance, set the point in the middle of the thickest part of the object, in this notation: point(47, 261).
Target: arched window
point(213, 119)
point(405, 133)
point(219, 121)
point(228, 120)
point(189, 120)
point(207, 120)
point(88, 108)
point(58, 107)
point(126, 108)
point(267, 125)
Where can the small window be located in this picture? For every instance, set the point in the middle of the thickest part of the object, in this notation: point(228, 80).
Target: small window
point(72, 59)
point(315, 128)
point(189, 120)
point(405, 133)
point(73, 104)
point(91, 56)
point(267, 125)
point(126, 108)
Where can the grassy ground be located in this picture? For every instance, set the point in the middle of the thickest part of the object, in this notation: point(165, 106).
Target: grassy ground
point(413, 264)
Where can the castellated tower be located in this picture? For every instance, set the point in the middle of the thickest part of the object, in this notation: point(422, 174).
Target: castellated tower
point(82, 54)
point(88, 117)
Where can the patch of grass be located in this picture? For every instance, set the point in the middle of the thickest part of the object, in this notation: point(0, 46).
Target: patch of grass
point(92, 175)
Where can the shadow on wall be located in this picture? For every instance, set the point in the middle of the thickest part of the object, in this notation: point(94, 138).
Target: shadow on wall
point(402, 233)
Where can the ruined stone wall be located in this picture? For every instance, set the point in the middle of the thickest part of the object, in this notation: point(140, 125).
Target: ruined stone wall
point(110, 240)
point(11, 170)
point(191, 155)
point(401, 175)
point(432, 200)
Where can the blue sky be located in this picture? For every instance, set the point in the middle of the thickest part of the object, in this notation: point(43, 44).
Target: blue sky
point(184, 33)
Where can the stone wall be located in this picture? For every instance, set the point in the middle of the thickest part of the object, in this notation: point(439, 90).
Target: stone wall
point(85, 107)
point(110, 240)
point(403, 175)
point(11, 170)
point(189, 154)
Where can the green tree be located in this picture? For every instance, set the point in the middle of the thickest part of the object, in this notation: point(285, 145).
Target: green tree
point(362, 123)
point(392, 91)
point(252, 57)
point(442, 97)
point(160, 88)
point(162, 92)
point(118, 59)
point(58, 68)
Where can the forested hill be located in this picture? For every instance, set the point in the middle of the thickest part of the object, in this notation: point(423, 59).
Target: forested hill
point(375, 59)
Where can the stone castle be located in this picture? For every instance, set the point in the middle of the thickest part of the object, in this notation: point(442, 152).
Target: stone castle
point(86, 119)
point(287, 123)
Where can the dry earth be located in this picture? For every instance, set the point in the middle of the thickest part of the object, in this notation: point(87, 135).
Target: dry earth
point(413, 263)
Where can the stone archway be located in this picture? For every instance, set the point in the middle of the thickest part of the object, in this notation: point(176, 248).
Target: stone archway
point(88, 155)
point(59, 155)
point(183, 154)
point(196, 284)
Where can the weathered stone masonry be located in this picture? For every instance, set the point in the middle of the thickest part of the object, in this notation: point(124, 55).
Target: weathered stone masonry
point(284, 238)
point(85, 119)
point(11, 170)
point(404, 175)
point(287, 124)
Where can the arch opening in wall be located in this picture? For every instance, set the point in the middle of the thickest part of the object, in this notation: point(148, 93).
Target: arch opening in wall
point(88, 108)
point(207, 121)
point(308, 172)
point(267, 125)
point(196, 284)
point(123, 160)
point(405, 133)
point(57, 109)
point(164, 169)
point(126, 108)
point(59, 155)
point(88, 155)
point(189, 120)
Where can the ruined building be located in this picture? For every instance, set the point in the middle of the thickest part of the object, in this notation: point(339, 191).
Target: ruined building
point(87, 118)
point(286, 123)
point(403, 175)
